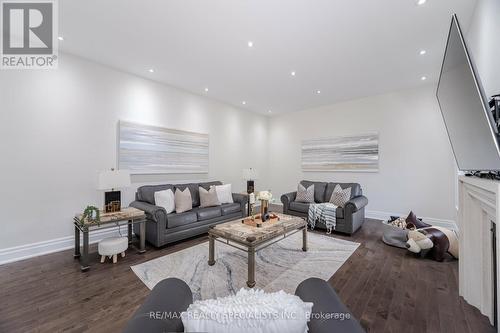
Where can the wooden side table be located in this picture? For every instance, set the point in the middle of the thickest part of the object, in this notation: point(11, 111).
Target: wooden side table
point(127, 216)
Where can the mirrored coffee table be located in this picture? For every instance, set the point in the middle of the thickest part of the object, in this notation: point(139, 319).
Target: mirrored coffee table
point(252, 239)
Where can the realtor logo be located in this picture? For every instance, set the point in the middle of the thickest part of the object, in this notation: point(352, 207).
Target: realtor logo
point(29, 34)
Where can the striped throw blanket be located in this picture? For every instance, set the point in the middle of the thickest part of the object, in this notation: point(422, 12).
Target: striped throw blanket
point(324, 213)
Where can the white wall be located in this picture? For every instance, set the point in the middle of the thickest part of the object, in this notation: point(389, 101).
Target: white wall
point(483, 39)
point(417, 168)
point(58, 129)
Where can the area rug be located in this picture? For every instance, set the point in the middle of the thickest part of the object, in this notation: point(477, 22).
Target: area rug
point(281, 266)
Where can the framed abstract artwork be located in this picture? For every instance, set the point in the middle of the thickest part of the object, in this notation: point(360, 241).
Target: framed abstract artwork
point(145, 149)
point(358, 153)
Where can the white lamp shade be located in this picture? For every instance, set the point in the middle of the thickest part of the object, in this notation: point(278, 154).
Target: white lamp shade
point(114, 179)
point(250, 174)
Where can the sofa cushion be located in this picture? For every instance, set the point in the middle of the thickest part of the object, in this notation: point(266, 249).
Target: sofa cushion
point(299, 206)
point(208, 213)
point(230, 208)
point(147, 193)
point(319, 189)
point(193, 188)
point(207, 185)
point(304, 208)
point(355, 189)
point(176, 220)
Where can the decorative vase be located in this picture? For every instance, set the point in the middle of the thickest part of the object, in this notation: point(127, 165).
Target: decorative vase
point(264, 207)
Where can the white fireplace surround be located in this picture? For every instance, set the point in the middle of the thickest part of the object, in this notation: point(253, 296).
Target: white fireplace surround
point(479, 206)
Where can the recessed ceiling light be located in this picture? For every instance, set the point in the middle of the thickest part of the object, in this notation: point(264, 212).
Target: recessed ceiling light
point(422, 52)
point(421, 2)
point(250, 43)
point(269, 111)
point(206, 89)
point(292, 73)
point(244, 102)
point(318, 92)
point(423, 78)
point(151, 70)
point(60, 38)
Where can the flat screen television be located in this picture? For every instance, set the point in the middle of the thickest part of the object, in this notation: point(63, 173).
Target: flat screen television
point(471, 128)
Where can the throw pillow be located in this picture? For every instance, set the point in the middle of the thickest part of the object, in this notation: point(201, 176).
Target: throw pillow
point(183, 201)
point(305, 194)
point(165, 199)
point(340, 196)
point(208, 198)
point(248, 311)
point(224, 193)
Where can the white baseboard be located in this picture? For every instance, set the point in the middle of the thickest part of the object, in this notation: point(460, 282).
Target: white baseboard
point(27, 251)
point(450, 224)
point(59, 244)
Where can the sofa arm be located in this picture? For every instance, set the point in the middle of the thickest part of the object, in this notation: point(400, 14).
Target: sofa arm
point(356, 204)
point(242, 199)
point(326, 301)
point(169, 297)
point(286, 199)
point(153, 213)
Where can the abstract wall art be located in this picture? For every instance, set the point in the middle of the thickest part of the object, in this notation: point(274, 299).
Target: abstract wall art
point(144, 149)
point(343, 153)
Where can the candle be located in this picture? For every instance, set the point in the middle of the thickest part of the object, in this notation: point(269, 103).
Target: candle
point(252, 198)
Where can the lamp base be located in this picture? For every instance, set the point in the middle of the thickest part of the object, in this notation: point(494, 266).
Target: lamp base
point(112, 201)
point(250, 186)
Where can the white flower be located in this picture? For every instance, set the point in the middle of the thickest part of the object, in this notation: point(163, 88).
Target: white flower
point(264, 195)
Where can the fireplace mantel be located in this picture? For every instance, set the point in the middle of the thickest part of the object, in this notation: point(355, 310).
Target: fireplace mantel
point(479, 207)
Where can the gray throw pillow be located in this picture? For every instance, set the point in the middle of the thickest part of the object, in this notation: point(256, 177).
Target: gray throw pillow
point(183, 201)
point(340, 196)
point(208, 198)
point(305, 194)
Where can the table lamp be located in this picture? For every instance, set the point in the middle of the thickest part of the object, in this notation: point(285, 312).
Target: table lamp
point(250, 175)
point(110, 181)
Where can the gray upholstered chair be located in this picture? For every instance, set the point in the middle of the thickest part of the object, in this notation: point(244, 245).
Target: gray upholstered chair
point(349, 218)
point(161, 310)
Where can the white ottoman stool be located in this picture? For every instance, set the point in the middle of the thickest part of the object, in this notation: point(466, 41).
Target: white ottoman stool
point(110, 247)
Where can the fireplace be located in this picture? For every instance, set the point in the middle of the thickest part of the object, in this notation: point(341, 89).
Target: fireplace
point(494, 266)
point(478, 212)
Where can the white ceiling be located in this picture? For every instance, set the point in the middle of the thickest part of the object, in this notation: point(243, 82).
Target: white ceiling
point(346, 49)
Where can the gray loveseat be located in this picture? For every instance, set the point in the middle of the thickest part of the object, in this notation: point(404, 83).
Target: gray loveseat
point(349, 218)
point(161, 310)
point(163, 228)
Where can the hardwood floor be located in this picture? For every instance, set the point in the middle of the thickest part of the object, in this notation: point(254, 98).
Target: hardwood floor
point(388, 290)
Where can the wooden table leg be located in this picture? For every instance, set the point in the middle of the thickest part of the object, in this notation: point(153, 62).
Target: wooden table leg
point(251, 267)
point(142, 235)
point(77, 243)
point(84, 259)
point(211, 250)
point(304, 239)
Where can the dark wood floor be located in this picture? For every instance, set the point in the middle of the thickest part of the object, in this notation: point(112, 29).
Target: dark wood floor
point(388, 289)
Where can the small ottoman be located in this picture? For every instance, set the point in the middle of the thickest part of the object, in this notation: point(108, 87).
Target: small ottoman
point(111, 247)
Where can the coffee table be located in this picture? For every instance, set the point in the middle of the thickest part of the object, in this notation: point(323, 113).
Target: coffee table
point(252, 239)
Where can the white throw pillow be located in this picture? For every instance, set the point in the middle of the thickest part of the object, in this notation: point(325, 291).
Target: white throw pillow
point(224, 193)
point(249, 311)
point(340, 196)
point(166, 200)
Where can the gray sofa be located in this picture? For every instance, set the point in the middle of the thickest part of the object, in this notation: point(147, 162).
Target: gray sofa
point(349, 218)
point(163, 228)
point(162, 308)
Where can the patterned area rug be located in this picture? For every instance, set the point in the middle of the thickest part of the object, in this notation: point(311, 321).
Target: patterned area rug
point(281, 266)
